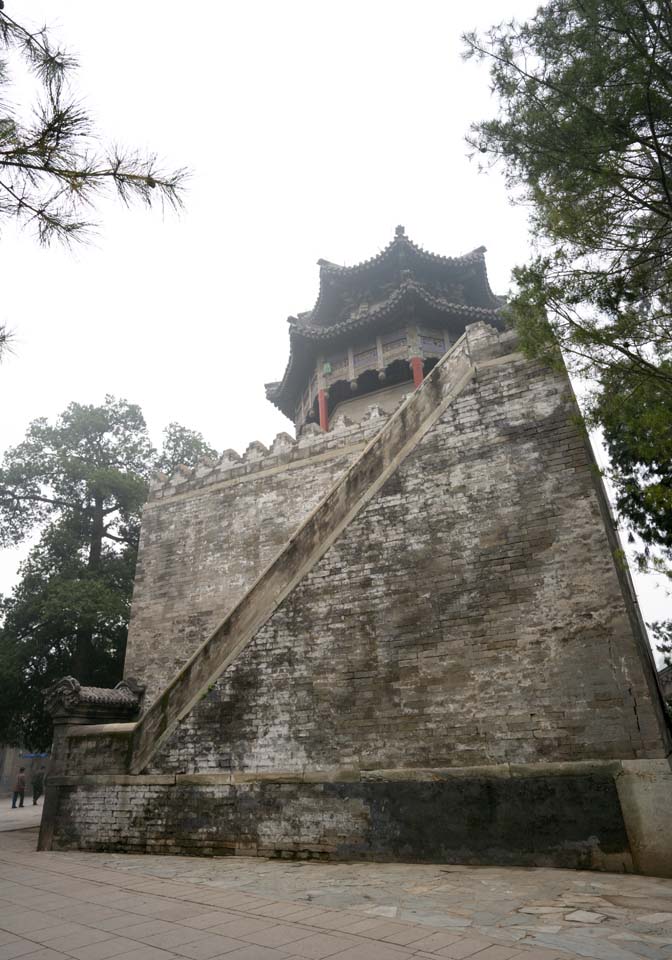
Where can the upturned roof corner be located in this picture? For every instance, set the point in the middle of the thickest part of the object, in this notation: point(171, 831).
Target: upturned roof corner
point(402, 284)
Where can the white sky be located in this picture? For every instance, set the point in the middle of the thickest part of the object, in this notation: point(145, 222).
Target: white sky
point(311, 130)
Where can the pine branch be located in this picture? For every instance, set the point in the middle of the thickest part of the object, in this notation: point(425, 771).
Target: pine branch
point(54, 165)
point(6, 338)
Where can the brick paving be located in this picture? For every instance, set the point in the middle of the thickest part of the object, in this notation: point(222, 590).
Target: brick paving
point(77, 906)
point(60, 906)
point(22, 817)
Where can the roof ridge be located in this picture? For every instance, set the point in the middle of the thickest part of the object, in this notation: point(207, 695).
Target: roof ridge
point(398, 241)
point(331, 272)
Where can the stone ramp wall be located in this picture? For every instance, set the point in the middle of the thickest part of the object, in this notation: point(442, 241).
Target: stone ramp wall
point(468, 617)
point(471, 614)
point(208, 533)
point(361, 482)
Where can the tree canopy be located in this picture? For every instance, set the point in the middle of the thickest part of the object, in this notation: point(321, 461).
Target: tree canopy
point(635, 415)
point(78, 485)
point(584, 133)
point(53, 167)
point(5, 339)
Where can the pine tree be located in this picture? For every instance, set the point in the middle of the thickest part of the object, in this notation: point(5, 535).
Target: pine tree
point(79, 485)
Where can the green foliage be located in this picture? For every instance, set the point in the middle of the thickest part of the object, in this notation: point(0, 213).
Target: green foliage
point(52, 167)
point(584, 132)
point(662, 633)
point(585, 136)
point(635, 413)
point(80, 485)
point(92, 468)
point(58, 607)
point(182, 446)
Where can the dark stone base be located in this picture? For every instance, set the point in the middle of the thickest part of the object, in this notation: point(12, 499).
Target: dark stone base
point(562, 821)
point(551, 821)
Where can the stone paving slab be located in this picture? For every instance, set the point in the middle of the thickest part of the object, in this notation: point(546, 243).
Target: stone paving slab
point(28, 816)
point(82, 906)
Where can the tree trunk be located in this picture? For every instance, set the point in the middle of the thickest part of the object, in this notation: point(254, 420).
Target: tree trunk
point(83, 660)
point(97, 531)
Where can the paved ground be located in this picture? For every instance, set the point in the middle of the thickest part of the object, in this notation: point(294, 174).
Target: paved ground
point(26, 816)
point(76, 906)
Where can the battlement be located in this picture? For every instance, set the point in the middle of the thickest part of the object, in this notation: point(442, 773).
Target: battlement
point(283, 452)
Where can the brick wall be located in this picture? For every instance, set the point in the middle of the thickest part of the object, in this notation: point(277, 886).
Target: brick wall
point(206, 538)
point(570, 821)
point(470, 615)
point(461, 677)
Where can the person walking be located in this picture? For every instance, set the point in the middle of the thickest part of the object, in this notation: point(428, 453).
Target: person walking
point(19, 788)
point(38, 785)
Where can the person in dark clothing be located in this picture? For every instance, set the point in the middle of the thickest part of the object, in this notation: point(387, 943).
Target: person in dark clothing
point(19, 788)
point(38, 785)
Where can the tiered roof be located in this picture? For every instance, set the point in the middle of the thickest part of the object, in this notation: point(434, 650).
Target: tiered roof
point(370, 297)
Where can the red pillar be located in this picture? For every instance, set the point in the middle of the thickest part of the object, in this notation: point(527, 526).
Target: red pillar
point(416, 367)
point(323, 408)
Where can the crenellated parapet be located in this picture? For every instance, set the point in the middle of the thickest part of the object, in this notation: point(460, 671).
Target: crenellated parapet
point(283, 451)
point(312, 441)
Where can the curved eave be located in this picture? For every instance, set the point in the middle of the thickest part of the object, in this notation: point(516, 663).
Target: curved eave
point(409, 288)
point(271, 390)
point(497, 302)
point(332, 274)
point(284, 395)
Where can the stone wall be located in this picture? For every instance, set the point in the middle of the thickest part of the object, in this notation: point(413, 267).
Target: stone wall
point(312, 539)
point(447, 639)
point(570, 819)
point(470, 615)
point(207, 534)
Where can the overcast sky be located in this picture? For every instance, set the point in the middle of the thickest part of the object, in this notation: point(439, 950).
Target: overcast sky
point(311, 129)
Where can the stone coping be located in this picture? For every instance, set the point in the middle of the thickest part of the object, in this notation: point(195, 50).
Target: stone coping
point(219, 479)
point(100, 729)
point(351, 774)
point(343, 437)
point(284, 453)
